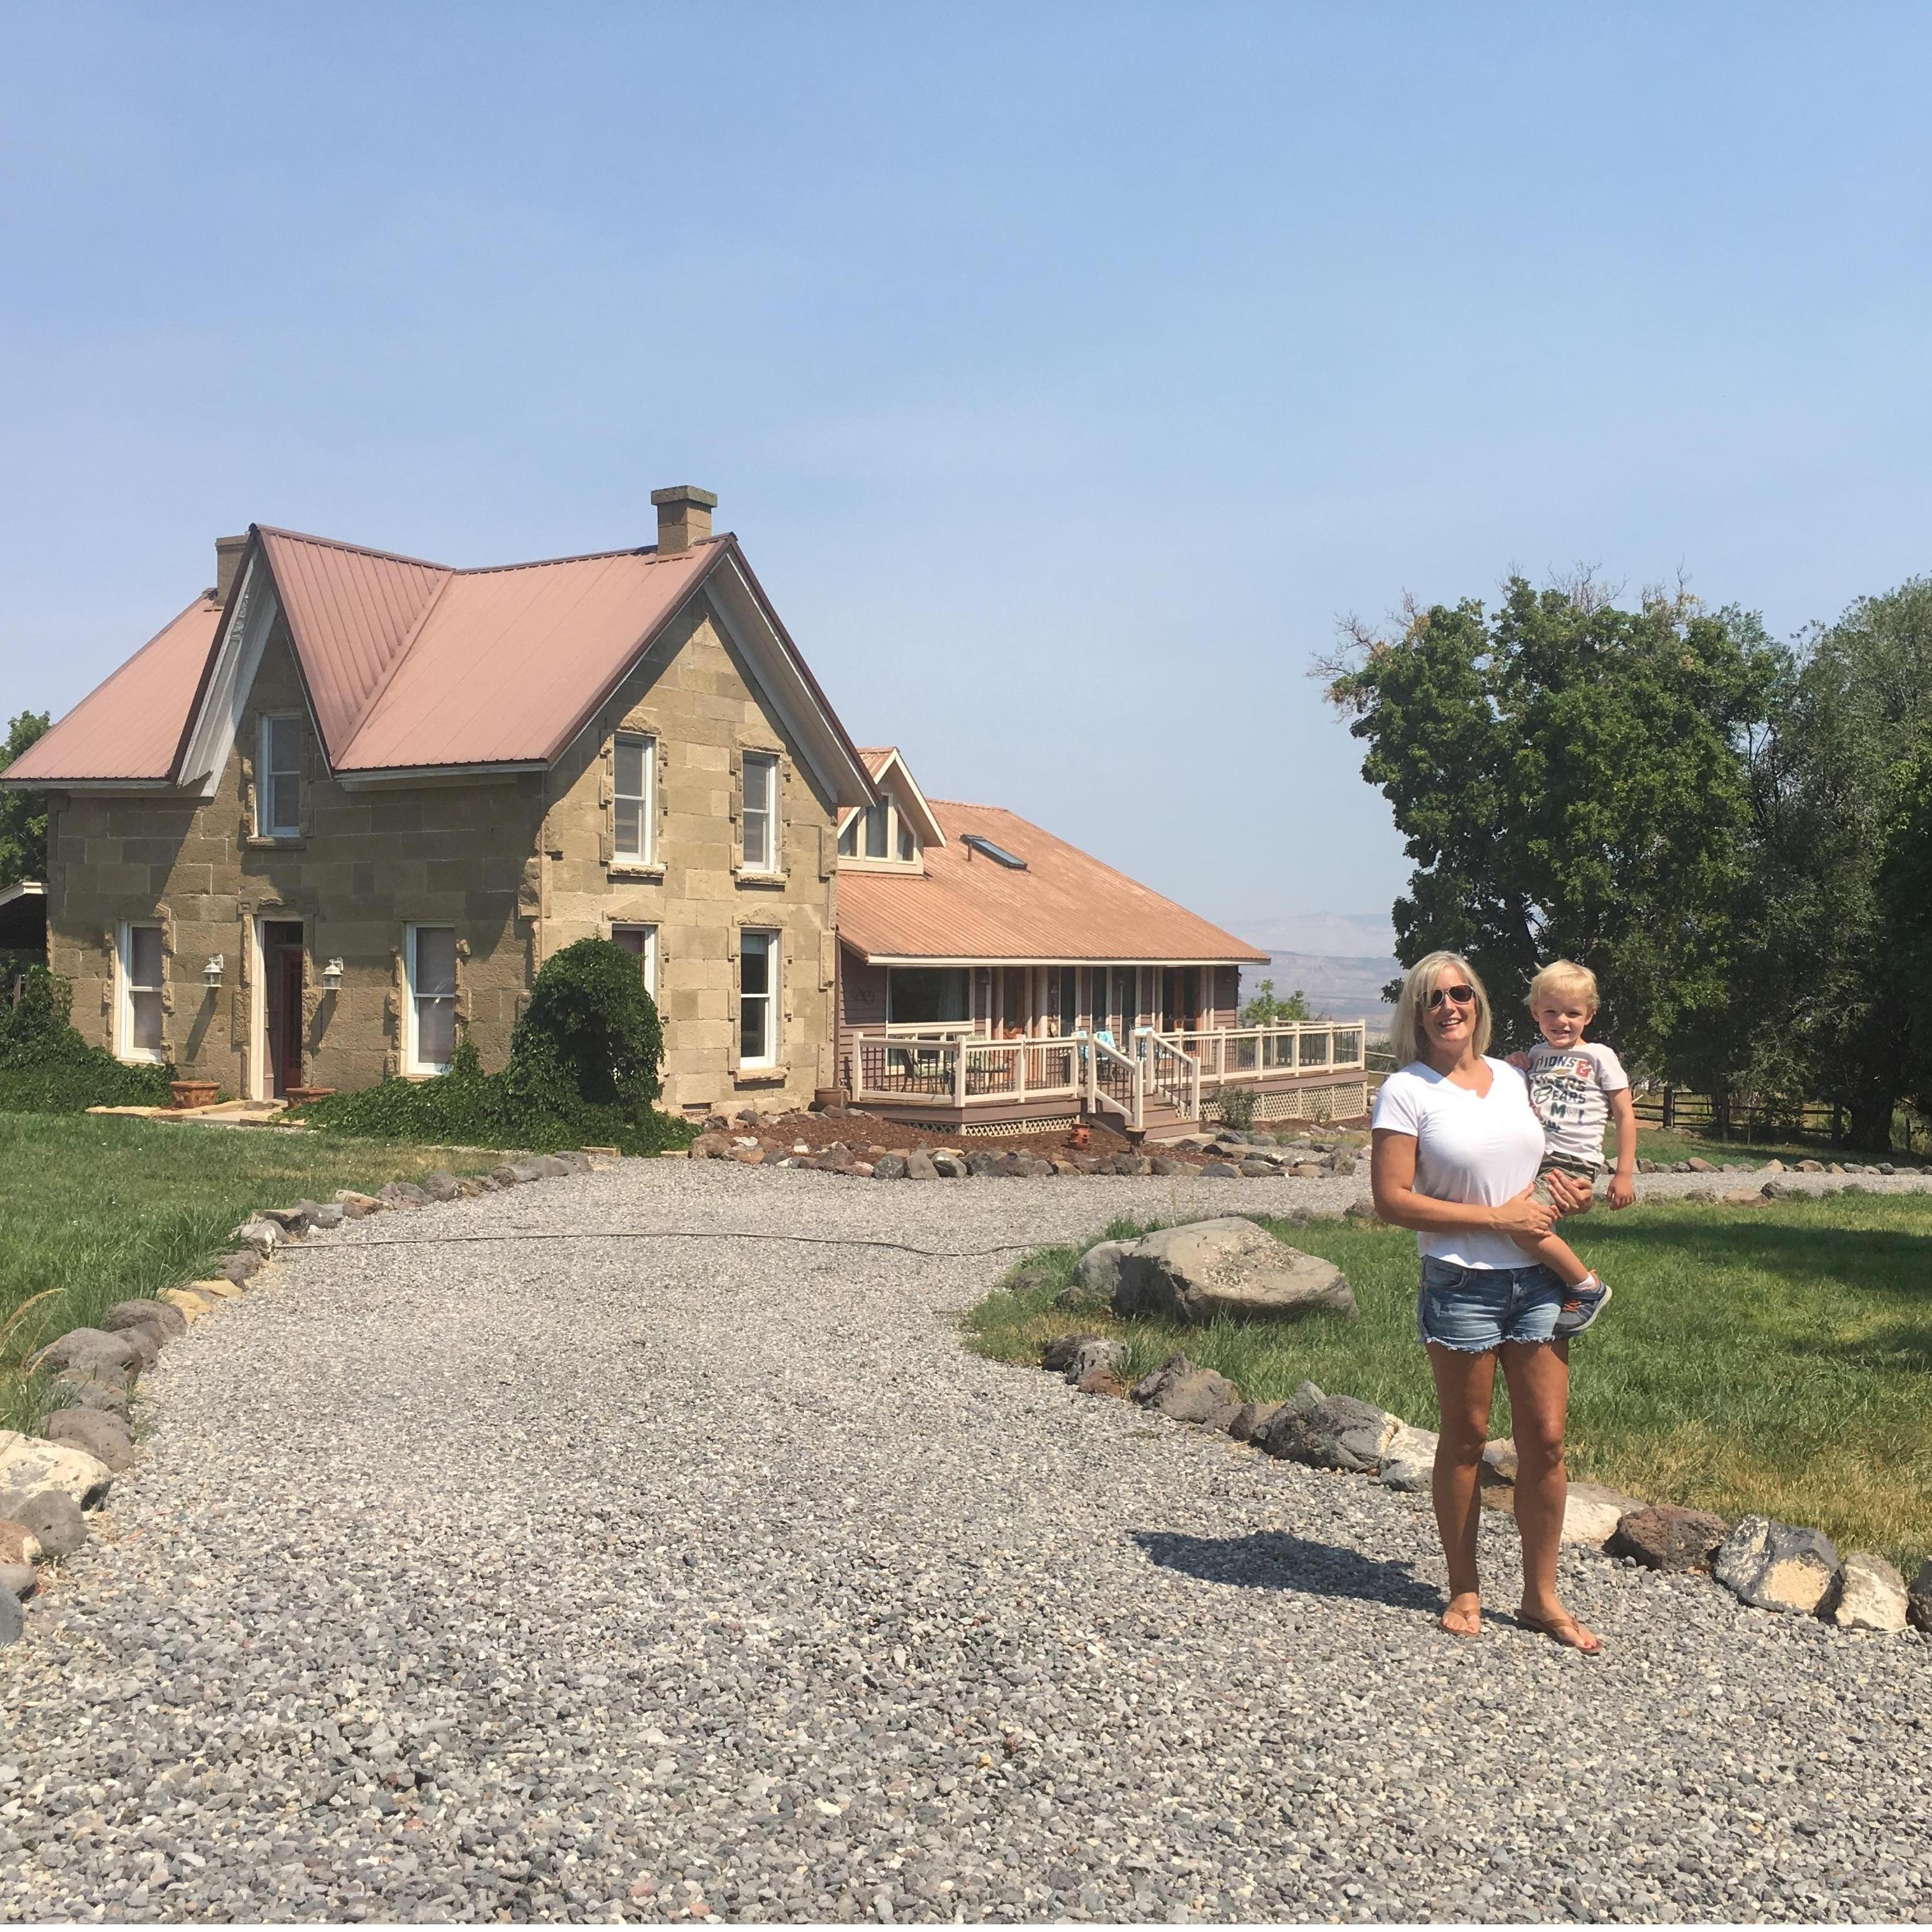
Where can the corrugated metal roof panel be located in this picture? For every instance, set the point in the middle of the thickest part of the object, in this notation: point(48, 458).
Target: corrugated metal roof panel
point(351, 612)
point(1066, 905)
point(507, 662)
point(129, 726)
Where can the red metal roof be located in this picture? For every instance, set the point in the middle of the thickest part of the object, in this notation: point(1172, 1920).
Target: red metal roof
point(129, 726)
point(1065, 906)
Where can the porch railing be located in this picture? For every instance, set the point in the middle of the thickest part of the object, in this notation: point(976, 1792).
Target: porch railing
point(1175, 1069)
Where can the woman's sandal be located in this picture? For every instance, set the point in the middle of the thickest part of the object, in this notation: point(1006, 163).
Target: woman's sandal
point(1564, 1630)
point(1473, 1628)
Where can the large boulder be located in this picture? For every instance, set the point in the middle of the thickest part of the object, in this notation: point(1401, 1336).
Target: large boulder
point(1253, 1418)
point(1228, 1266)
point(919, 1166)
point(1331, 1432)
point(1867, 1593)
point(1667, 1536)
point(1773, 1566)
point(889, 1167)
point(29, 1464)
point(101, 1433)
point(98, 1354)
point(51, 1515)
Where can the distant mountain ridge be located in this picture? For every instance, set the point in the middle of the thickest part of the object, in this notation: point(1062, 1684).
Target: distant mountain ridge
point(1342, 961)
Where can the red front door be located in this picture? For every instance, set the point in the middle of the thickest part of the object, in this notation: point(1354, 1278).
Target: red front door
point(282, 959)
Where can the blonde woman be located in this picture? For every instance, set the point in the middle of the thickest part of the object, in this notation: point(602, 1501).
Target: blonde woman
point(1456, 1148)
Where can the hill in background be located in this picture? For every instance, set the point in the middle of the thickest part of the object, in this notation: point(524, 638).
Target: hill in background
point(1342, 961)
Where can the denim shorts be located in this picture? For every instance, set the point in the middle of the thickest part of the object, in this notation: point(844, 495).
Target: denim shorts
point(1475, 1309)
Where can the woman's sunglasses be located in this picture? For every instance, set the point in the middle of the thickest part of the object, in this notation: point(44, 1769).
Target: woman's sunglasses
point(1463, 996)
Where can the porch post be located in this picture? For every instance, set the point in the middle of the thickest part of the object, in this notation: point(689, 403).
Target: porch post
point(959, 1073)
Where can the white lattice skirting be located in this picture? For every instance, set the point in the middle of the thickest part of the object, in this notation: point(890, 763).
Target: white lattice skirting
point(988, 1129)
point(1341, 1101)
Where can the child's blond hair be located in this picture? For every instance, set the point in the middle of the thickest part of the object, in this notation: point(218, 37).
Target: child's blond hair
point(1564, 976)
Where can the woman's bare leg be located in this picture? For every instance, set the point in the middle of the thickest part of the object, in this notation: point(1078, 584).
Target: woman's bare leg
point(1465, 1386)
point(1538, 1375)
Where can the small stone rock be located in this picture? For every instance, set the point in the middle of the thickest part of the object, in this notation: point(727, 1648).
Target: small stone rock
point(263, 1235)
point(1098, 1274)
point(1056, 1357)
point(51, 1514)
point(1867, 1593)
point(1409, 1458)
point(950, 1166)
point(1335, 1432)
point(18, 1544)
point(356, 1207)
point(101, 1434)
point(441, 1185)
point(84, 1392)
point(1918, 1598)
point(1669, 1537)
point(1592, 1512)
point(1697, 1165)
point(1102, 1357)
point(919, 1166)
point(405, 1194)
point(241, 1267)
point(1166, 1165)
point(889, 1167)
point(219, 1288)
point(190, 1307)
point(1251, 1418)
point(166, 1321)
point(98, 1354)
point(1498, 1467)
point(1222, 1170)
point(17, 1580)
point(13, 1621)
point(1773, 1566)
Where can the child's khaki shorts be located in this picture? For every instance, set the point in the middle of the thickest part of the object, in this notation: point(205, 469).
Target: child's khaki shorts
point(1585, 1170)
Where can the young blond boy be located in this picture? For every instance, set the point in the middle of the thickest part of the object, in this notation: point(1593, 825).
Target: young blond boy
point(1576, 1087)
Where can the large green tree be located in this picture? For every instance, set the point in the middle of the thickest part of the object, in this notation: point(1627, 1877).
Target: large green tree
point(23, 814)
point(1839, 970)
point(1574, 779)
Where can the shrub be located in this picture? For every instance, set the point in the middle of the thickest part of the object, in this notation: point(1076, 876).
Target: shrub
point(583, 1069)
point(1236, 1107)
point(45, 1067)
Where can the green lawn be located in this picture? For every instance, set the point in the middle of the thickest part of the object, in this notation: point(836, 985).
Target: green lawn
point(1773, 1359)
point(1653, 1144)
point(99, 1209)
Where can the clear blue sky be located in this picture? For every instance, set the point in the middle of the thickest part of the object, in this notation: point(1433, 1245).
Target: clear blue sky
point(1067, 371)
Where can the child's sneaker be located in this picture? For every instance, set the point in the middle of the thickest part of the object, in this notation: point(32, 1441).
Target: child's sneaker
point(1590, 1300)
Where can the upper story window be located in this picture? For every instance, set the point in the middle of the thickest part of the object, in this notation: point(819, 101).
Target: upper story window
point(141, 993)
point(278, 794)
point(636, 775)
point(759, 817)
point(881, 832)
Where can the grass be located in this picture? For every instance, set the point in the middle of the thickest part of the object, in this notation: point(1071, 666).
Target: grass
point(1776, 1360)
point(1655, 1143)
point(96, 1209)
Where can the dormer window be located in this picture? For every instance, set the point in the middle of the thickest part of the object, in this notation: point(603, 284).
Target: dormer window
point(881, 833)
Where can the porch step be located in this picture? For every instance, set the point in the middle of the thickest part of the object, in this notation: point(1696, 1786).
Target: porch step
point(1160, 1122)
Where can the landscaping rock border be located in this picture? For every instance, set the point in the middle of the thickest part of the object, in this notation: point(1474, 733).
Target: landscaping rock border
point(1765, 1564)
point(50, 1482)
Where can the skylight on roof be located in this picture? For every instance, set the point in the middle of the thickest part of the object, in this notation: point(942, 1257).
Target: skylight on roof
point(998, 854)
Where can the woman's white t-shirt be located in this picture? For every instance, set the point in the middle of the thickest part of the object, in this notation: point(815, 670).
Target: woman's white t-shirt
point(1479, 1147)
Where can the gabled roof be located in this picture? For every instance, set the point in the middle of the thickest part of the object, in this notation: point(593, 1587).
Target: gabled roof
point(1065, 906)
point(129, 726)
point(410, 666)
point(880, 762)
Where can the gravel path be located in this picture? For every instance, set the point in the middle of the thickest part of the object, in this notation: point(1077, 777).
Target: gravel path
point(588, 1577)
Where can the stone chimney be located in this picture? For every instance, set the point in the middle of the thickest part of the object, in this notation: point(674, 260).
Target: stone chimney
point(227, 561)
point(684, 517)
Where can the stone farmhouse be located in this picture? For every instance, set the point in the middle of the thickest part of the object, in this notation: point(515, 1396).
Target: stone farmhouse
point(347, 803)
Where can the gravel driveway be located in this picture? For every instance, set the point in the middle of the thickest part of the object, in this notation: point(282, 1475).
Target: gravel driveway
point(581, 1577)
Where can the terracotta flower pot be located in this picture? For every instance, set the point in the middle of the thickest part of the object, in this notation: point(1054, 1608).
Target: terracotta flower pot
point(192, 1092)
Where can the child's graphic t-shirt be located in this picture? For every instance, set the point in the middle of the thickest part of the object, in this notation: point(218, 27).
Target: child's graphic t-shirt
point(1570, 1087)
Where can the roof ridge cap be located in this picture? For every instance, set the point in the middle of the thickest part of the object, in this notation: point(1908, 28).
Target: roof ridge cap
point(649, 552)
point(358, 550)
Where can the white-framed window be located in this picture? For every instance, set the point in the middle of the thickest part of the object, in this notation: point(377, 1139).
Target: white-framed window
point(430, 959)
point(758, 955)
point(141, 980)
point(635, 763)
point(278, 790)
point(761, 814)
point(881, 832)
point(641, 943)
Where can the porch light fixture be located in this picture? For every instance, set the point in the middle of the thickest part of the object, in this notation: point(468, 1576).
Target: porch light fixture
point(332, 976)
point(210, 973)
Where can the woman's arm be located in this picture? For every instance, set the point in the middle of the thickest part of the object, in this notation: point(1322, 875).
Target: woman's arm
point(1392, 1173)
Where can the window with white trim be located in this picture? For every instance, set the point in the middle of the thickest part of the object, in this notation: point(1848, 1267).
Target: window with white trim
point(758, 955)
point(278, 787)
point(641, 943)
point(141, 981)
point(881, 832)
point(635, 762)
point(430, 958)
point(760, 812)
